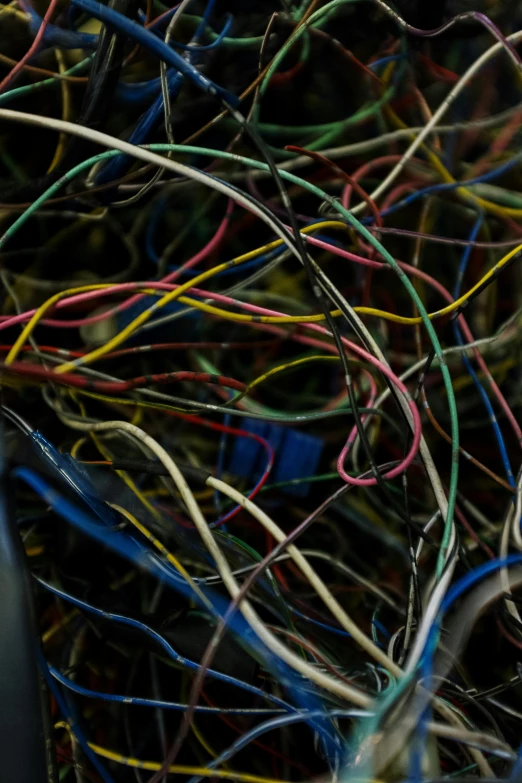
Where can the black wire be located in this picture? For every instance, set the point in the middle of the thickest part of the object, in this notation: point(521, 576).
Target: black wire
point(97, 106)
point(26, 736)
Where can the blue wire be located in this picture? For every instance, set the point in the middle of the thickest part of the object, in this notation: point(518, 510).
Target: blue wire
point(68, 470)
point(71, 513)
point(157, 47)
point(118, 166)
point(139, 92)
point(421, 731)
point(393, 58)
point(270, 725)
point(136, 701)
point(123, 545)
point(470, 579)
point(57, 36)
point(425, 665)
point(164, 18)
point(255, 262)
point(447, 186)
point(467, 363)
point(180, 660)
point(380, 627)
point(204, 47)
point(225, 517)
point(69, 717)
point(189, 273)
point(516, 772)
point(319, 624)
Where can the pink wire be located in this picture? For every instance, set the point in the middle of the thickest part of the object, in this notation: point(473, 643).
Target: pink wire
point(163, 285)
point(366, 169)
point(365, 355)
point(395, 194)
point(8, 321)
point(32, 49)
point(93, 319)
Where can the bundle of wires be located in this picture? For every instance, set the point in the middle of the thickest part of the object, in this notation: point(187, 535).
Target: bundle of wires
point(261, 391)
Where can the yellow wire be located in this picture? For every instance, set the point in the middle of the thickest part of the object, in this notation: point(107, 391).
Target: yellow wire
point(108, 456)
point(34, 551)
point(175, 769)
point(204, 494)
point(194, 728)
point(163, 492)
point(282, 368)
point(53, 630)
point(146, 314)
point(156, 543)
point(304, 319)
point(66, 110)
point(462, 191)
point(10, 9)
point(286, 319)
point(263, 319)
point(495, 370)
point(399, 319)
point(449, 308)
point(47, 305)
point(137, 416)
point(77, 446)
point(171, 296)
point(126, 478)
point(203, 742)
point(143, 317)
point(177, 294)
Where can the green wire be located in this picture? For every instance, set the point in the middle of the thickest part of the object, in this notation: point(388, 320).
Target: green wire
point(321, 15)
point(255, 40)
point(29, 88)
point(273, 582)
point(330, 131)
point(251, 405)
point(352, 220)
point(327, 128)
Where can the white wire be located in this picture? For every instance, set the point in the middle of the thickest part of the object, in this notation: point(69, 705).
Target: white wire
point(404, 399)
point(437, 116)
point(308, 571)
point(199, 176)
point(418, 365)
point(315, 553)
point(430, 613)
point(511, 527)
point(340, 689)
point(111, 142)
point(517, 511)
point(350, 149)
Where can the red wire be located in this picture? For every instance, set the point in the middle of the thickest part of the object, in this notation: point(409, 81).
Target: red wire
point(114, 387)
point(32, 49)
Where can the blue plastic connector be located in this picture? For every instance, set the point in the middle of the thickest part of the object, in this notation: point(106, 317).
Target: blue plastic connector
point(297, 454)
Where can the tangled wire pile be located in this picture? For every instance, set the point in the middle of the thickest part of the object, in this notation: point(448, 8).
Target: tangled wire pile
point(261, 387)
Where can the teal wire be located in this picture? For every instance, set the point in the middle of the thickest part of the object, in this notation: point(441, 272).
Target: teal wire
point(6, 97)
point(352, 220)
